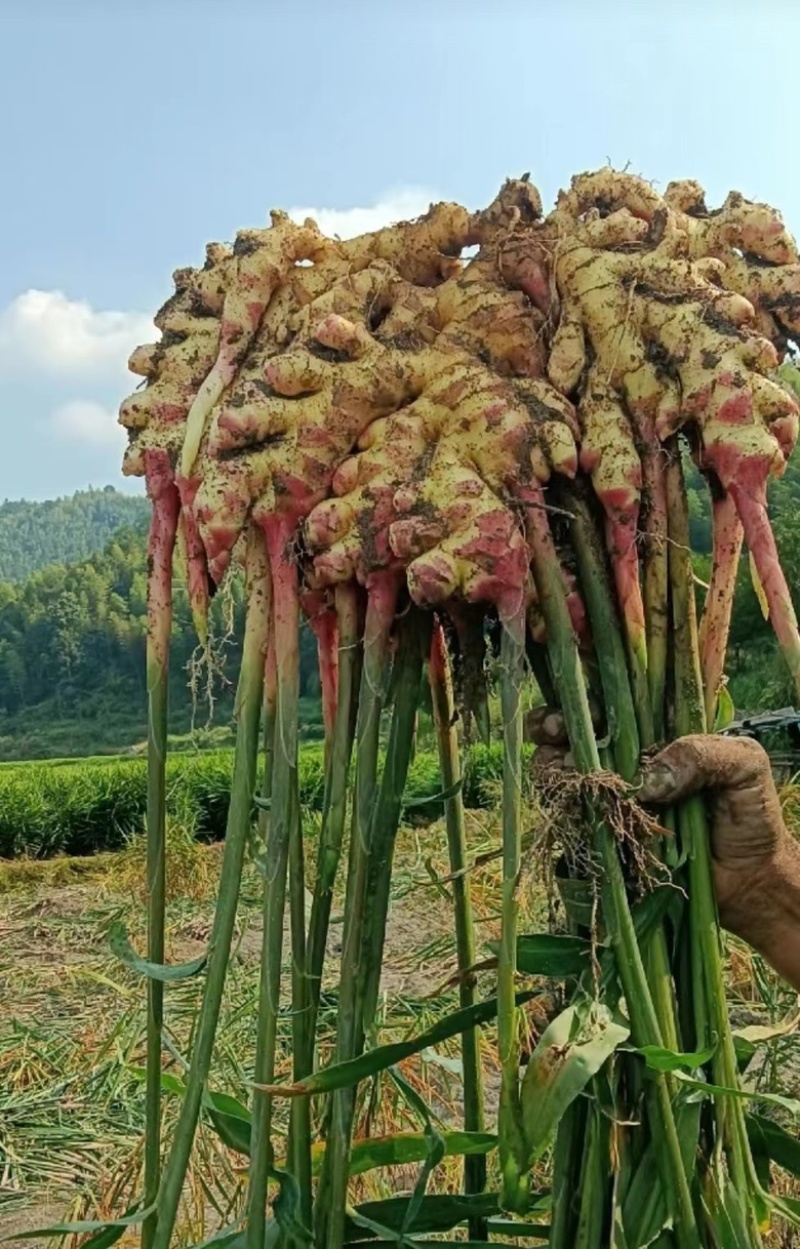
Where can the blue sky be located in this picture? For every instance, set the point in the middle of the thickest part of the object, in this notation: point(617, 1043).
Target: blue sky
point(133, 131)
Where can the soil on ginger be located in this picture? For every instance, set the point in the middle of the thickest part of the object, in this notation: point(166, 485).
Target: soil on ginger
point(72, 1031)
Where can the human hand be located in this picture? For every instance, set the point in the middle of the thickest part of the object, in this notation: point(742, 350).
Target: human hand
point(755, 859)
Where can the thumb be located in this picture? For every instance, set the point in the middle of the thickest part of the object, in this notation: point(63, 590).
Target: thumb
point(702, 761)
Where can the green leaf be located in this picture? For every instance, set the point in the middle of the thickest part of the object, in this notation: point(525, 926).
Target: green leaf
point(744, 1051)
point(654, 906)
point(437, 1212)
point(230, 1119)
point(404, 1147)
point(544, 954)
point(287, 1208)
point(515, 1229)
point(749, 1095)
point(658, 1058)
point(725, 712)
point(724, 1213)
point(442, 796)
point(769, 1140)
point(235, 1237)
point(110, 1234)
point(122, 949)
point(347, 1074)
point(758, 587)
point(83, 1226)
point(434, 1147)
point(569, 1052)
point(406, 1243)
point(788, 1207)
point(644, 1209)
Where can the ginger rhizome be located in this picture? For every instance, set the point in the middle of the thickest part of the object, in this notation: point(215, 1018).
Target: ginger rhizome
point(297, 372)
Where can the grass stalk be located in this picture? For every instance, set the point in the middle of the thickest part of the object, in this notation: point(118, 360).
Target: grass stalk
point(567, 1158)
point(711, 1017)
point(284, 817)
point(620, 715)
point(336, 787)
point(270, 712)
point(332, 1194)
point(163, 529)
point(444, 718)
point(513, 1151)
point(656, 581)
point(248, 714)
point(414, 632)
point(644, 1024)
point(715, 623)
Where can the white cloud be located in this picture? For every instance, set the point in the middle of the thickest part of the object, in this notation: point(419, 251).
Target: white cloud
point(65, 362)
point(394, 206)
point(47, 330)
point(87, 422)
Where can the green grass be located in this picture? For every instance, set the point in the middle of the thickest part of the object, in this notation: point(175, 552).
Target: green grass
point(78, 807)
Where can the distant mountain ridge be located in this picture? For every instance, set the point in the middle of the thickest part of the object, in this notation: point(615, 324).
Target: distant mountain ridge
point(63, 531)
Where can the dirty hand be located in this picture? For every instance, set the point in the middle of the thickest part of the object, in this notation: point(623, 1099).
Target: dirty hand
point(756, 861)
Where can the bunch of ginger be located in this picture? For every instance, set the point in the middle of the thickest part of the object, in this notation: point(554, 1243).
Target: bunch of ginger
point(396, 414)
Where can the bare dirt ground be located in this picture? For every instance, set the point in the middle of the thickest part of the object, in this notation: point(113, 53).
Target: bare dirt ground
point(72, 1022)
point(71, 1032)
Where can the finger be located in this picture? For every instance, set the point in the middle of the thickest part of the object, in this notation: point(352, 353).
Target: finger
point(557, 757)
point(701, 761)
point(545, 726)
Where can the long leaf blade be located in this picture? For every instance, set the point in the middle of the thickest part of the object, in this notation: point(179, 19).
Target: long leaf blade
point(346, 1074)
point(122, 949)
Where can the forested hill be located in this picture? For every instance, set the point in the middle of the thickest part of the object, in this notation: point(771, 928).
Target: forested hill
point(72, 656)
point(60, 531)
point(72, 634)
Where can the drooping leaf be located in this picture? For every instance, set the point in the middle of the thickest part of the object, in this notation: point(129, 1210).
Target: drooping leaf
point(644, 1209)
point(771, 1141)
point(346, 1074)
point(659, 1058)
point(569, 1052)
point(434, 1147)
point(717, 1090)
point(546, 954)
point(513, 1228)
point(437, 1212)
point(287, 1208)
point(787, 1207)
point(122, 949)
point(231, 1120)
point(83, 1226)
point(390, 1151)
point(744, 1051)
point(235, 1237)
point(110, 1234)
point(443, 795)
